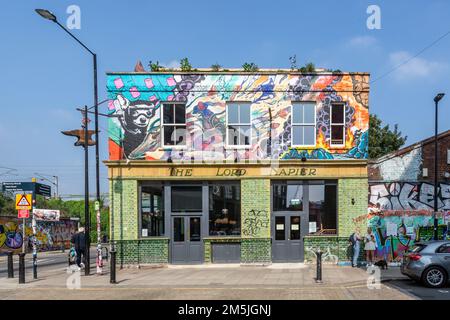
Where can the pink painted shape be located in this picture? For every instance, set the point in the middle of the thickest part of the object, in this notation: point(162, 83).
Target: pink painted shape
point(111, 105)
point(152, 98)
point(149, 83)
point(171, 81)
point(170, 98)
point(134, 92)
point(118, 83)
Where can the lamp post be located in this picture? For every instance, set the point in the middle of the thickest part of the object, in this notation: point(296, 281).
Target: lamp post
point(438, 97)
point(50, 16)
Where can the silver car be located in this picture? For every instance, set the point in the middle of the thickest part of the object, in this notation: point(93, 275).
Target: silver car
point(428, 262)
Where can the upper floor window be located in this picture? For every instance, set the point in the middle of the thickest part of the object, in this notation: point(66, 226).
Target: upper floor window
point(174, 124)
point(304, 124)
point(337, 124)
point(238, 124)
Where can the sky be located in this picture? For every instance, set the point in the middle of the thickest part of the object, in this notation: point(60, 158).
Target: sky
point(46, 75)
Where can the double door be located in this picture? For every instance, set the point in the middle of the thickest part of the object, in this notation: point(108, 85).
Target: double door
point(288, 230)
point(187, 244)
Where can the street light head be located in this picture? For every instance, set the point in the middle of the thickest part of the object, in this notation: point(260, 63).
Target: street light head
point(46, 14)
point(438, 97)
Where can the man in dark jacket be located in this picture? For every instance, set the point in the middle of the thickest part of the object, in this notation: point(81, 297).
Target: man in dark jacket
point(78, 241)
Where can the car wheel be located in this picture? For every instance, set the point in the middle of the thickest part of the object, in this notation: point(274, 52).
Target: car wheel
point(434, 277)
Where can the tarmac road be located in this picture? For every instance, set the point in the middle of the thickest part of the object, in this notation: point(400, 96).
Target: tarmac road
point(417, 289)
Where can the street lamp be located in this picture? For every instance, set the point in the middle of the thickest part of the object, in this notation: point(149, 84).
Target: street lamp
point(438, 98)
point(50, 16)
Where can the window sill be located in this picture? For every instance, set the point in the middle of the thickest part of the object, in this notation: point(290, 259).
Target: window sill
point(169, 148)
point(238, 147)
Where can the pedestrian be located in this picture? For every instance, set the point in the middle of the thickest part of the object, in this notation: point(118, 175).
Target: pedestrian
point(355, 239)
point(78, 241)
point(369, 246)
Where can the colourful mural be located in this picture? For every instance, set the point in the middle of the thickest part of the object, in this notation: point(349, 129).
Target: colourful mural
point(51, 235)
point(136, 100)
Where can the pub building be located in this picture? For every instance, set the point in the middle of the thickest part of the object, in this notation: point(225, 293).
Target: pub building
point(236, 167)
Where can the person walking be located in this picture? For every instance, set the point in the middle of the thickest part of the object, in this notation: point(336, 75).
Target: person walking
point(369, 246)
point(78, 241)
point(355, 239)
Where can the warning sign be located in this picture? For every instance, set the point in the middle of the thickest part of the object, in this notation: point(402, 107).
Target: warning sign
point(23, 214)
point(23, 201)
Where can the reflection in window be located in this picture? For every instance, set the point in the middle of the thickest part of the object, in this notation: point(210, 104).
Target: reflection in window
point(287, 197)
point(280, 232)
point(178, 229)
point(239, 125)
point(322, 208)
point(295, 228)
point(174, 124)
point(186, 198)
point(337, 124)
point(194, 229)
point(224, 209)
point(152, 211)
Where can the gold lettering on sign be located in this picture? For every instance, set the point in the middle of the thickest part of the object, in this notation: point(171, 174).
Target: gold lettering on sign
point(221, 172)
point(177, 172)
point(289, 172)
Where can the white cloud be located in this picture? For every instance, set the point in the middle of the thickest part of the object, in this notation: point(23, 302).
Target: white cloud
point(172, 64)
point(413, 67)
point(362, 41)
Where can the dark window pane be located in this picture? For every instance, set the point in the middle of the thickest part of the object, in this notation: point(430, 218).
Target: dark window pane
point(337, 134)
point(180, 135)
point(169, 135)
point(295, 228)
point(244, 116)
point(186, 198)
point(178, 229)
point(288, 197)
point(168, 113)
point(337, 113)
point(224, 209)
point(233, 135)
point(233, 111)
point(152, 211)
point(280, 233)
point(244, 135)
point(322, 207)
point(180, 114)
point(194, 229)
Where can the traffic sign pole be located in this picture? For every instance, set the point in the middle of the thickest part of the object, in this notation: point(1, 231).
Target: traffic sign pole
point(33, 224)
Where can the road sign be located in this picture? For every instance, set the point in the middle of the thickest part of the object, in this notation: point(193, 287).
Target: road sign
point(21, 187)
point(43, 189)
point(23, 201)
point(23, 213)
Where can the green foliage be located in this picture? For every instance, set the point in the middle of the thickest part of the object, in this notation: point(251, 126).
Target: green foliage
point(7, 206)
point(216, 67)
point(185, 65)
point(308, 68)
point(383, 140)
point(250, 67)
point(155, 67)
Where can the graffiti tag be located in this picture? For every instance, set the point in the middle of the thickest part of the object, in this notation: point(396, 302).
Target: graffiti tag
point(254, 222)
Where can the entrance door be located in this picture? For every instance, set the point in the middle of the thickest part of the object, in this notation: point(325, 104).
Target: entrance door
point(187, 244)
point(288, 230)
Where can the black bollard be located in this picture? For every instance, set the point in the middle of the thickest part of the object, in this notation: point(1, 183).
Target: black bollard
point(21, 267)
point(319, 267)
point(10, 265)
point(113, 267)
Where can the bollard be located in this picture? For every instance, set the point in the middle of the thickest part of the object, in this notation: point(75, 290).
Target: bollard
point(63, 248)
point(21, 267)
point(112, 272)
point(10, 265)
point(319, 267)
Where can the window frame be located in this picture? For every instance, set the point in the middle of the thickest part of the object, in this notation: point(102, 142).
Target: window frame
point(240, 124)
point(174, 124)
point(239, 213)
point(140, 223)
point(342, 124)
point(303, 124)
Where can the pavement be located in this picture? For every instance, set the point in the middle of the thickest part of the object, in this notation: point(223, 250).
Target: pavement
point(211, 282)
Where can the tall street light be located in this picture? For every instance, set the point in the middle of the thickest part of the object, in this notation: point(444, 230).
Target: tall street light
point(438, 97)
point(50, 16)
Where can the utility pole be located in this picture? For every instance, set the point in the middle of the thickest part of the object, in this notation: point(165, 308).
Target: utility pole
point(87, 222)
point(438, 97)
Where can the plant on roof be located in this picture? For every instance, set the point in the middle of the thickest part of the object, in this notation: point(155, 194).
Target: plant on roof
point(216, 67)
point(185, 65)
point(155, 67)
point(307, 68)
point(250, 67)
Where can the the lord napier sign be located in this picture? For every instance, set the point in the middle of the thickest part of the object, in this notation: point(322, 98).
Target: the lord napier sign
point(242, 172)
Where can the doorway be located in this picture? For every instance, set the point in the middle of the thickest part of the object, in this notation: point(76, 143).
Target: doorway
point(187, 243)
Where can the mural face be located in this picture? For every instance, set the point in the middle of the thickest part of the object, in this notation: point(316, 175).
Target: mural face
point(137, 99)
point(50, 235)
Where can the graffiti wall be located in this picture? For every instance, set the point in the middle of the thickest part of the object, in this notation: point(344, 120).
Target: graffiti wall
point(136, 103)
point(50, 235)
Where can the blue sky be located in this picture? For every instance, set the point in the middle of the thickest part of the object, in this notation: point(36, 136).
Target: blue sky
point(46, 75)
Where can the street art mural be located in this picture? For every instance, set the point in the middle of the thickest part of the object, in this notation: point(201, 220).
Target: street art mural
point(51, 235)
point(136, 101)
point(398, 209)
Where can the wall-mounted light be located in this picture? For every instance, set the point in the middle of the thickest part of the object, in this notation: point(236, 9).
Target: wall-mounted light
point(353, 201)
point(169, 159)
point(303, 159)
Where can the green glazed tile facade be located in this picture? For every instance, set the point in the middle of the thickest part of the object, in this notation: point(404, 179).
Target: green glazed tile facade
point(256, 251)
point(143, 251)
point(349, 189)
point(124, 209)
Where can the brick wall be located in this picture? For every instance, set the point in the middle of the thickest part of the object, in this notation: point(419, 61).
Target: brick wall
point(428, 159)
point(144, 251)
point(124, 209)
point(335, 249)
point(256, 251)
point(348, 189)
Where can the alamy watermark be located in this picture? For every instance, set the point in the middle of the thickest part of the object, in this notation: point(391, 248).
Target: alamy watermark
point(74, 19)
point(373, 21)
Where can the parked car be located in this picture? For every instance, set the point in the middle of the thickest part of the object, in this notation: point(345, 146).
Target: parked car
point(429, 263)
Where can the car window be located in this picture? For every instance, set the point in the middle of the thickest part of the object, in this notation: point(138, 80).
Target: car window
point(418, 247)
point(444, 248)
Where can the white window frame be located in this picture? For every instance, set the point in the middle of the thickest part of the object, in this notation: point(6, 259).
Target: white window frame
point(303, 124)
point(163, 125)
point(341, 123)
point(238, 146)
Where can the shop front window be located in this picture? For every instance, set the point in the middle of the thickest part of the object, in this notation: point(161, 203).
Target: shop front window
point(186, 198)
point(224, 209)
point(287, 197)
point(152, 211)
point(322, 208)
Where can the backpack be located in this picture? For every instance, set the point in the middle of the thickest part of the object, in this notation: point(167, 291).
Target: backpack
point(351, 239)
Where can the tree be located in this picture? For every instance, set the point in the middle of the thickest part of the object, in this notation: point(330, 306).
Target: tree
point(383, 140)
